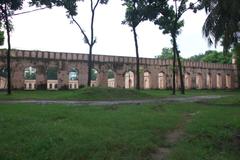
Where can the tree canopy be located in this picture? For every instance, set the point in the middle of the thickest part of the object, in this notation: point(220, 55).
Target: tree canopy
point(213, 56)
point(167, 53)
point(223, 22)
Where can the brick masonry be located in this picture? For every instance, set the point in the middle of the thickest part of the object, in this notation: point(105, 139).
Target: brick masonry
point(196, 72)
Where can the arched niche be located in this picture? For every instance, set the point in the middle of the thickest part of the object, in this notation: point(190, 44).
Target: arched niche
point(111, 79)
point(129, 79)
point(3, 78)
point(188, 81)
point(219, 81)
point(146, 80)
point(199, 81)
point(94, 78)
point(73, 78)
point(162, 80)
point(209, 80)
point(228, 81)
point(52, 78)
point(30, 78)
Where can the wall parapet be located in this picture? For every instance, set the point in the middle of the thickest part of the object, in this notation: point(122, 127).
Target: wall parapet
point(108, 59)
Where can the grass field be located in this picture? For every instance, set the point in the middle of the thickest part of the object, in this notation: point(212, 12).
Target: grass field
point(121, 132)
point(106, 94)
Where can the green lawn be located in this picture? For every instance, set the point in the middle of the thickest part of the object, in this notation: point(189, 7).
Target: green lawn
point(105, 94)
point(127, 132)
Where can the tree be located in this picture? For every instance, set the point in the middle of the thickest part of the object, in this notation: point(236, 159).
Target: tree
point(7, 8)
point(168, 18)
point(89, 40)
point(167, 53)
point(134, 15)
point(222, 23)
point(213, 57)
point(1, 35)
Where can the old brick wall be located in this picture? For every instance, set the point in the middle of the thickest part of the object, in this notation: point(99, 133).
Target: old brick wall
point(64, 62)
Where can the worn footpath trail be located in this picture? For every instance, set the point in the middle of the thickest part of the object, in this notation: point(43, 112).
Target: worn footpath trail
point(117, 102)
point(171, 138)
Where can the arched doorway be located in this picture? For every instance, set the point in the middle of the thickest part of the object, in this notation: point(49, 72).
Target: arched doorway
point(146, 79)
point(94, 78)
point(111, 79)
point(228, 81)
point(161, 80)
point(219, 81)
point(188, 81)
point(129, 79)
point(199, 81)
point(30, 78)
point(3, 78)
point(209, 81)
point(73, 79)
point(52, 79)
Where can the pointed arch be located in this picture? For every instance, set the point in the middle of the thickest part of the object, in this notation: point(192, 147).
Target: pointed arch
point(209, 80)
point(199, 81)
point(228, 81)
point(30, 78)
point(188, 80)
point(161, 80)
point(3, 78)
point(94, 78)
point(111, 79)
point(219, 80)
point(52, 78)
point(146, 80)
point(73, 78)
point(129, 79)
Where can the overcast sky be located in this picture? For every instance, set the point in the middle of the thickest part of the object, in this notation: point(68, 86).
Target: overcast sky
point(50, 30)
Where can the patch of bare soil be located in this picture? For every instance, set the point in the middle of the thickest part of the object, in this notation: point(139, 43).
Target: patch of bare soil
point(172, 138)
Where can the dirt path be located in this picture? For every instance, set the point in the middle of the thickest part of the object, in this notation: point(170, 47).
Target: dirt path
point(117, 102)
point(172, 138)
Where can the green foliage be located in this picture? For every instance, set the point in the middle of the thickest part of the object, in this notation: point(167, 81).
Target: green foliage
point(135, 11)
point(30, 73)
point(213, 57)
point(236, 51)
point(7, 8)
point(2, 38)
point(12, 4)
point(69, 5)
point(222, 22)
point(167, 53)
point(110, 74)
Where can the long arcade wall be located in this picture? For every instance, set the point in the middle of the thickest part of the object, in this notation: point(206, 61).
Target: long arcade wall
point(159, 72)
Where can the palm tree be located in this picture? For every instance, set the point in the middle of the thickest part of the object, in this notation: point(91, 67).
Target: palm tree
point(222, 21)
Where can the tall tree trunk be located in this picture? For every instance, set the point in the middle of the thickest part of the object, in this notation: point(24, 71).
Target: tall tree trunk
point(174, 69)
point(92, 42)
point(9, 90)
point(181, 73)
point(89, 65)
point(179, 65)
point(137, 58)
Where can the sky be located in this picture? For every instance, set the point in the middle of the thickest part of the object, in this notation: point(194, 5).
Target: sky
point(51, 30)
